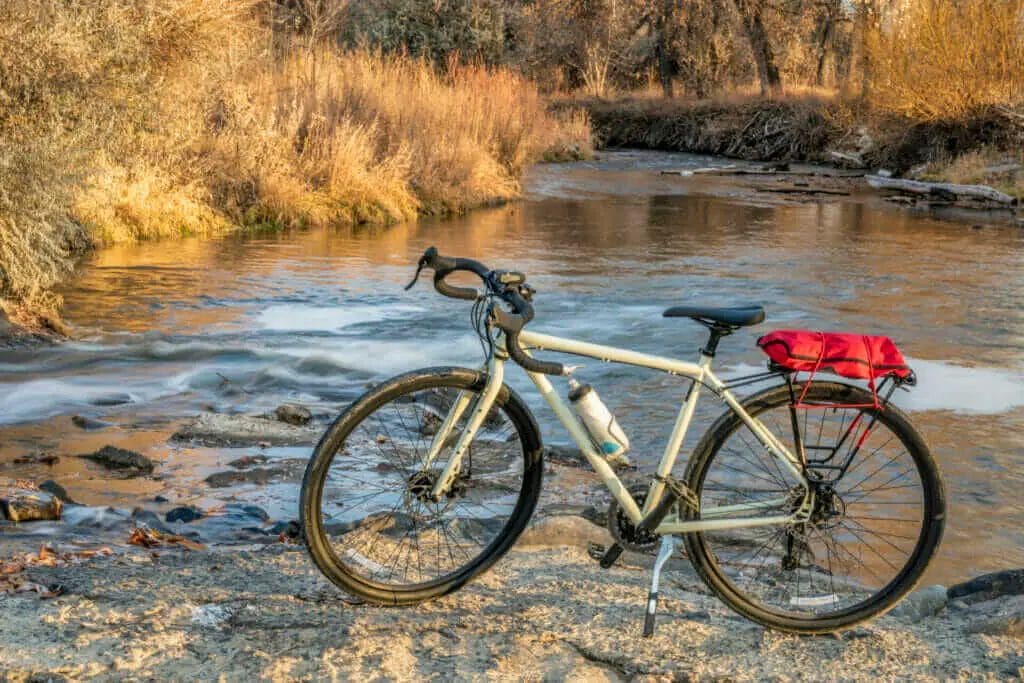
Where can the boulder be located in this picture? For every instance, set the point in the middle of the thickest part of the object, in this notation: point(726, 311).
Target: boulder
point(115, 458)
point(217, 430)
point(922, 604)
point(293, 414)
point(564, 530)
point(24, 505)
point(989, 586)
point(53, 488)
point(1004, 617)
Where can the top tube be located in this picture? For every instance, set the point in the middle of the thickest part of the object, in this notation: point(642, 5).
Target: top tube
point(548, 342)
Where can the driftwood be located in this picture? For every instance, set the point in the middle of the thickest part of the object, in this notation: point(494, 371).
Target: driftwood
point(732, 170)
point(803, 190)
point(942, 190)
point(851, 158)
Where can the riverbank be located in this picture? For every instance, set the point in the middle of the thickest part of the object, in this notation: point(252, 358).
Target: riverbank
point(984, 147)
point(545, 611)
point(126, 121)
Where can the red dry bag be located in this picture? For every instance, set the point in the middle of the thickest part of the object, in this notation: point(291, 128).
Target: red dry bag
point(858, 356)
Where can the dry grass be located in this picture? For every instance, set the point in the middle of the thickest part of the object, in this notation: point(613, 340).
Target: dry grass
point(992, 167)
point(946, 59)
point(123, 120)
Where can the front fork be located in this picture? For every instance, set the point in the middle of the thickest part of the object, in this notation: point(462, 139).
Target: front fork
point(480, 408)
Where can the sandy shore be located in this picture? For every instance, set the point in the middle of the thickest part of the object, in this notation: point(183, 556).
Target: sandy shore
point(261, 611)
point(546, 612)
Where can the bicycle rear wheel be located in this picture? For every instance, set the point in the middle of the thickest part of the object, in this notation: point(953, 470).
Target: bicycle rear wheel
point(369, 523)
point(877, 520)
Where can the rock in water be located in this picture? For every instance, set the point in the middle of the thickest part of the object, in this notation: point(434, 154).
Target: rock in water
point(185, 514)
point(88, 424)
point(25, 505)
point(115, 458)
point(989, 586)
point(248, 461)
point(293, 414)
point(290, 470)
point(52, 487)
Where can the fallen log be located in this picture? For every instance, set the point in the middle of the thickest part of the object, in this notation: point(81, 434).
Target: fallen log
point(983, 192)
point(731, 170)
point(803, 190)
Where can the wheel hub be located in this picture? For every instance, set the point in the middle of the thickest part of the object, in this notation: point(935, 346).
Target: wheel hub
point(420, 486)
point(829, 508)
point(828, 513)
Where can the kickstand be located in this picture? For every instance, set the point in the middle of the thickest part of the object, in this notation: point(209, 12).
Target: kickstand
point(668, 546)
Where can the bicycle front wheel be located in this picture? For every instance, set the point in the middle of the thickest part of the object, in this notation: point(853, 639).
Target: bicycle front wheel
point(367, 514)
point(877, 518)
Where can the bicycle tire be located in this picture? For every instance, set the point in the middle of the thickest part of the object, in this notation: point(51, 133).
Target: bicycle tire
point(711, 562)
point(397, 392)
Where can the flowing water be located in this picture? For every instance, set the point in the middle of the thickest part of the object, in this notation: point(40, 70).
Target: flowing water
point(246, 322)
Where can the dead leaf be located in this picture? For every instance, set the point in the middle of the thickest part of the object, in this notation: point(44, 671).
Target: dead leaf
point(149, 538)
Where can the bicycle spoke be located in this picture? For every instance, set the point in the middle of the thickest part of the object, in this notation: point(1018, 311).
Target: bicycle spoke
point(835, 560)
point(402, 537)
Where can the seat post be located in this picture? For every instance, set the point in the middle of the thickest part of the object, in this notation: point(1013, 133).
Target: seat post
point(717, 332)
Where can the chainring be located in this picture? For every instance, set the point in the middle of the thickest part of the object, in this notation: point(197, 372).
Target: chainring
point(624, 531)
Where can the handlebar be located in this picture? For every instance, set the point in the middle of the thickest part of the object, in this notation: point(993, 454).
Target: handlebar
point(506, 286)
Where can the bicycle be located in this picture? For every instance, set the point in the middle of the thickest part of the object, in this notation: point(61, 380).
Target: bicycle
point(786, 509)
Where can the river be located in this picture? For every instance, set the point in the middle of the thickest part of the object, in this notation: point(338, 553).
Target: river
point(246, 322)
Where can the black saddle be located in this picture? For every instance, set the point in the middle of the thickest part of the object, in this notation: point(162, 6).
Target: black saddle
point(739, 316)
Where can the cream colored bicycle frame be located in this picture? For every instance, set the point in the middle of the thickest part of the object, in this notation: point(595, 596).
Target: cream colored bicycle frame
point(701, 374)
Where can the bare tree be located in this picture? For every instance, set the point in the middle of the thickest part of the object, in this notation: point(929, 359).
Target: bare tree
point(764, 58)
point(830, 13)
point(705, 46)
point(320, 19)
point(866, 26)
point(666, 50)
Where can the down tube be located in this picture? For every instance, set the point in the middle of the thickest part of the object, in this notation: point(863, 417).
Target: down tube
point(602, 468)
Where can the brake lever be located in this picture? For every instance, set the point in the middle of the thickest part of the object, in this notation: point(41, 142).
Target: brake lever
point(416, 277)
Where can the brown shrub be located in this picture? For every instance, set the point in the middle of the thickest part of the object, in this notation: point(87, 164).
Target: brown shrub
point(944, 59)
point(123, 120)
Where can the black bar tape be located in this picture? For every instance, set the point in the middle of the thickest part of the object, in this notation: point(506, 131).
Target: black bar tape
point(530, 364)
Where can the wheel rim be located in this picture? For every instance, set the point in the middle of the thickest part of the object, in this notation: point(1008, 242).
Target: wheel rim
point(866, 530)
point(376, 514)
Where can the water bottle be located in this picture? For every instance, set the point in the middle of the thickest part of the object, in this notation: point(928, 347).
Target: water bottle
point(604, 430)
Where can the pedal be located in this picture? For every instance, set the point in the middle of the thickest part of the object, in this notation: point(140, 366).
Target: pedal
point(595, 550)
point(610, 555)
point(668, 546)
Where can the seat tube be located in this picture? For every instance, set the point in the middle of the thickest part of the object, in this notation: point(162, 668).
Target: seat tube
point(675, 442)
